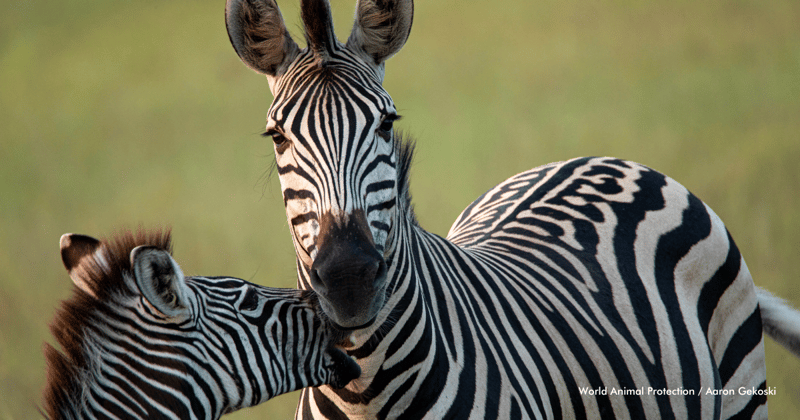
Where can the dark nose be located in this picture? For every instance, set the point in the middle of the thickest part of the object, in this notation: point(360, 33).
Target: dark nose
point(348, 273)
point(348, 277)
point(345, 266)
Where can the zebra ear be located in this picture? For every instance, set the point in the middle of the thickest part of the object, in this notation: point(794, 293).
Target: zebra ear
point(259, 36)
point(381, 28)
point(78, 252)
point(318, 23)
point(160, 280)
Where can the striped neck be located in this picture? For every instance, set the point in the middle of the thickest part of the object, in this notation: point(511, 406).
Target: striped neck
point(118, 375)
point(405, 314)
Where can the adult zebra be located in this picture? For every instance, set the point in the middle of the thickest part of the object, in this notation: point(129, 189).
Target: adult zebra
point(593, 288)
point(140, 340)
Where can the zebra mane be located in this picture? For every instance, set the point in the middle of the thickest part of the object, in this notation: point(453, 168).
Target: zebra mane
point(104, 273)
point(404, 145)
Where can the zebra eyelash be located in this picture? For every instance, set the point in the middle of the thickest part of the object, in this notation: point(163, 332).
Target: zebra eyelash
point(386, 125)
point(277, 137)
point(390, 118)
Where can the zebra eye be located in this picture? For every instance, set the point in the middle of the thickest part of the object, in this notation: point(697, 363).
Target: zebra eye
point(387, 125)
point(249, 301)
point(385, 129)
point(277, 138)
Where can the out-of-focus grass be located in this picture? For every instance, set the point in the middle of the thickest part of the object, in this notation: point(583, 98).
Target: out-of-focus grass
point(114, 114)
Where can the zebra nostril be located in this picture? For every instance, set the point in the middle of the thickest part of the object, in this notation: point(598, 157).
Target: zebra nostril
point(317, 282)
point(380, 275)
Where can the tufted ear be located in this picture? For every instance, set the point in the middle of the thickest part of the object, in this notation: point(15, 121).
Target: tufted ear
point(381, 28)
point(259, 36)
point(80, 257)
point(160, 280)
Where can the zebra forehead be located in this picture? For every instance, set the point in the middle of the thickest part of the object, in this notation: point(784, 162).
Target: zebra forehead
point(308, 85)
point(330, 105)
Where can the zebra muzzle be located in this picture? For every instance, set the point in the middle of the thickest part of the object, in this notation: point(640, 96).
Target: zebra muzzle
point(348, 274)
point(350, 292)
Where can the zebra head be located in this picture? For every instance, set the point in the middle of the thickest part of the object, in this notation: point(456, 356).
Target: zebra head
point(331, 122)
point(141, 340)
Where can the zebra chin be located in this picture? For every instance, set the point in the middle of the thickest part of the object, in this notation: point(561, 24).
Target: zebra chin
point(351, 315)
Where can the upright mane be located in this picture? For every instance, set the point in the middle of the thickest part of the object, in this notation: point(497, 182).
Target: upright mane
point(103, 274)
point(405, 153)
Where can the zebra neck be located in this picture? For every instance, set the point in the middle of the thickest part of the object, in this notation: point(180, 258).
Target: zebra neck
point(407, 314)
point(124, 369)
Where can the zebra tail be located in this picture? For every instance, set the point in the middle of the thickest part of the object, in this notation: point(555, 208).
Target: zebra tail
point(780, 321)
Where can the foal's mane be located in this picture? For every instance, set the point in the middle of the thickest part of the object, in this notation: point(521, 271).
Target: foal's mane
point(105, 276)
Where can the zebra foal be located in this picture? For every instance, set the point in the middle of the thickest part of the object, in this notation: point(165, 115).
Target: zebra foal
point(591, 288)
point(141, 341)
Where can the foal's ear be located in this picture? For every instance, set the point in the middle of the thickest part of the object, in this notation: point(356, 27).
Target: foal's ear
point(381, 28)
point(160, 280)
point(259, 36)
point(75, 247)
point(80, 257)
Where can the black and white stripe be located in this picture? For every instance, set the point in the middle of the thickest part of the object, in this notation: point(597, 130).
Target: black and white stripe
point(589, 274)
point(140, 340)
point(592, 288)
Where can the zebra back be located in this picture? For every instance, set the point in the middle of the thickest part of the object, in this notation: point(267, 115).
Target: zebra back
point(140, 340)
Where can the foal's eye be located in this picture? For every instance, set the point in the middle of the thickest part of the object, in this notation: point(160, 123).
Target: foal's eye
point(250, 300)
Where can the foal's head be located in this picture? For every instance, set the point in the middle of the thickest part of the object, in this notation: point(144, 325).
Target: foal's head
point(141, 340)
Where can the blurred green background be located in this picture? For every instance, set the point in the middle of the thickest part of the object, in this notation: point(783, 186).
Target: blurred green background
point(119, 113)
